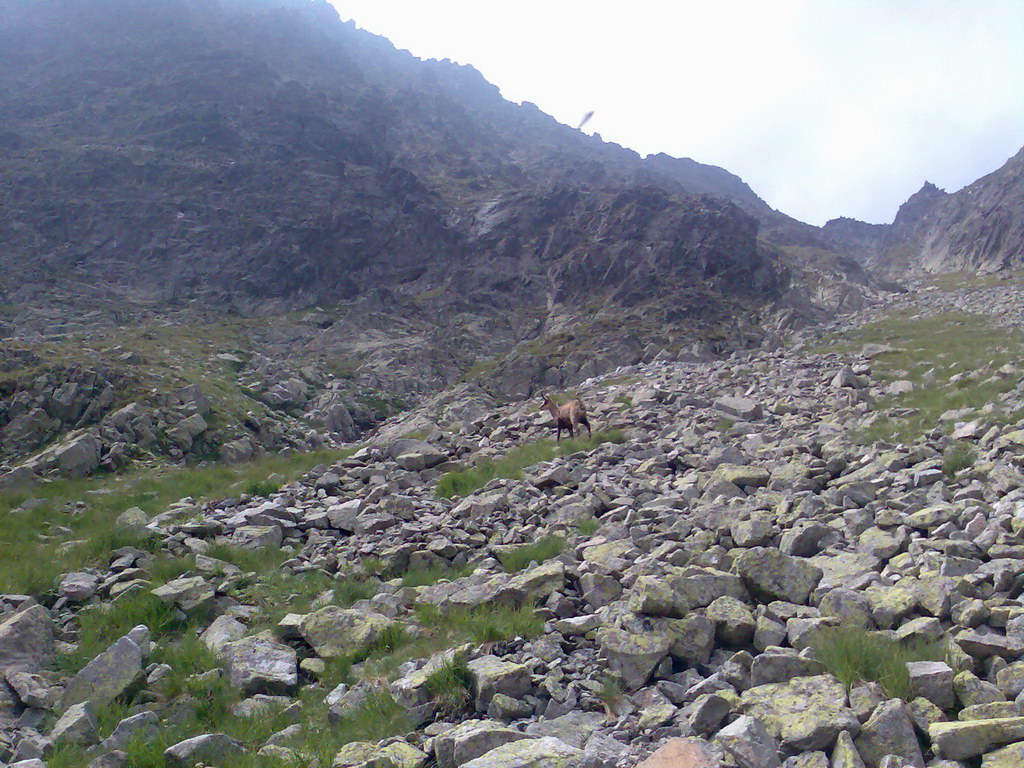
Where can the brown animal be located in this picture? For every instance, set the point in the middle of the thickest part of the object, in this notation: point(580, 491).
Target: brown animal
point(568, 416)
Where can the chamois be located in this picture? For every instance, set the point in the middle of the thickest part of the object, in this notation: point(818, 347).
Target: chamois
point(568, 416)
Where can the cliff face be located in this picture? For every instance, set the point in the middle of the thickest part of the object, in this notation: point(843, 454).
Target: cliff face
point(267, 150)
point(978, 229)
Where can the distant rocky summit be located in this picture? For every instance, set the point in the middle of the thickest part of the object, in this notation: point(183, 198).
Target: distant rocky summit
point(977, 229)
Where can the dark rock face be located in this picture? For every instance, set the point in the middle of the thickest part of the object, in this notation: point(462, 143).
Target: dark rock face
point(267, 150)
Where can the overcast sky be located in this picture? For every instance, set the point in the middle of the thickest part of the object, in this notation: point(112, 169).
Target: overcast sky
point(826, 108)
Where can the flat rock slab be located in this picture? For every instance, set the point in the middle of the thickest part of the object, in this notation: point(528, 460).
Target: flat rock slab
point(107, 676)
point(961, 740)
point(805, 713)
point(528, 753)
point(209, 748)
point(26, 640)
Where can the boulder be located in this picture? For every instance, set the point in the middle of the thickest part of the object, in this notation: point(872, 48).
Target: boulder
point(255, 665)
point(209, 748)
point(771, 575)
point(334, 631)
point(471, 739)
point(748, 742)
point(26, 640)
point(804, 713)
point(889, 731)
point(529, 753)
point(107, 676)
point(633, 655)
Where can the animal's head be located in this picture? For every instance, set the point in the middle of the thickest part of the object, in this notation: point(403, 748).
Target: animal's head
point(546, 401)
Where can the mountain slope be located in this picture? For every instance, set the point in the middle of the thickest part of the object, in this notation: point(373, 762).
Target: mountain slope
point(980, 228)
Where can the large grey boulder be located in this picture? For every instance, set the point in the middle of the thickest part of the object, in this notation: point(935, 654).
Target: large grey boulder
point(771, 575)
point(79, 456)
point(26, 640)
point(748, 742)
point(209, 748)
point(76, 726)
point(255, 665)
point(529, 753)
point(889, 731)
point(107, 676)
point(471, 739)
point(805, 713)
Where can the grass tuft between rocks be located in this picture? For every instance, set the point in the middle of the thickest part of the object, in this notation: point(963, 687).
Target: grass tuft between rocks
point(511, 465)
point(543, 549)
point(856, 655)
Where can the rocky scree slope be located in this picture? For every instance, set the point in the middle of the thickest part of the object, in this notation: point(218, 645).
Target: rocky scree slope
point(678, 614)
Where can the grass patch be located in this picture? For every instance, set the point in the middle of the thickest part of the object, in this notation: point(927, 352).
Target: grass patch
point(511, 465)
point(424, 577)
point(262, 488)
point(588, 527)
point(57, 535)
point(544, 549)
point(929, 352)
point(958, 458)
point(724, 424)
point(856, 655)
point(450, 687)
point(486, 624)
point(99, 626)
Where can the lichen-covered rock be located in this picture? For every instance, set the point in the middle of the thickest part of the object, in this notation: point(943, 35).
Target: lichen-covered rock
point(107, 676)
point(633, 655)
point(189, 593)
point(889, 731)
point(471, 739)
point(748, 743)
point(255, 665)
point(334, 631)
point(491, 675)
point(804, 713)
point(962, 740)
point(530, 753)
point(771, 575)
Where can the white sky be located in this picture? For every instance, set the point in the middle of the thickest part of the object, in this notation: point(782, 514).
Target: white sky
point(825, 107)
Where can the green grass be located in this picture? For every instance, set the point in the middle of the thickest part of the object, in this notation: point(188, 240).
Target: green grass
point(511, 465)
point(486, 624)
point(958, 458)
point(588, 527)
point(543, 549)
point(929, 351)
point(101, 625)
point(450, 687)
point(423, 577)
point(262, 488)
point(55, 537)
point(856, 655)
point(724, 424)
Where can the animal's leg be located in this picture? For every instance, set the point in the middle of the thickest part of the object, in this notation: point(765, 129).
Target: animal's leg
point(586, 423)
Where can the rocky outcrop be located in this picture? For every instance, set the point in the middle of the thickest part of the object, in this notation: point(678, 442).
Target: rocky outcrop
point(976, 229)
